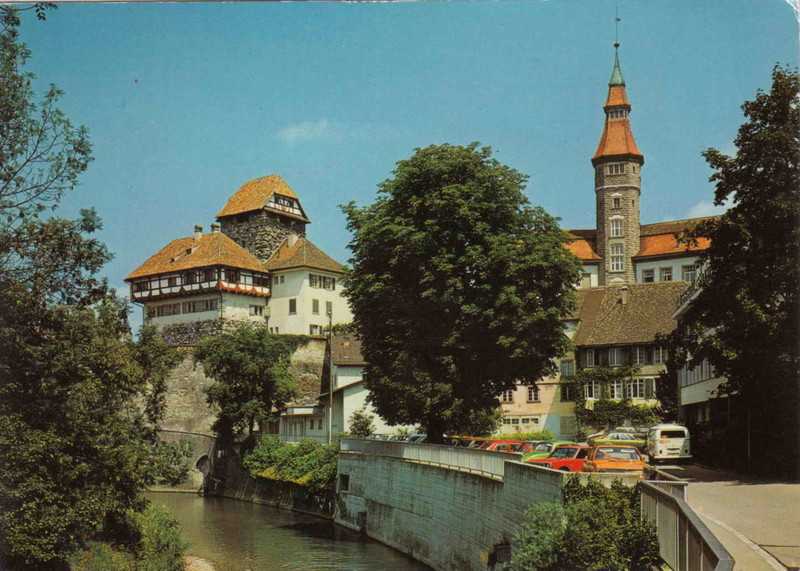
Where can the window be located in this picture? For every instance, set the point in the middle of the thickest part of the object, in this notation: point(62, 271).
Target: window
point(616, 169)
point(638, 355)
point(616, 390)
point(257, 310)
point(190, 277)
point(292, 306)
point(232, 275)
point(592, 390)
point(315, 330)
point(533, 393)
point(659, 355)
point(588, 358)
point(567, 392)
point(617, 257)
point(329, 308)
point(689, 273)
point(321, 282)
point(567, 368)
point(209, 275)
point(139, 286)
point(615, 357)
point(169, 309)
point(636, 389)
point(514, 421)
point(507, 396)
point(617, 202)
point(315, 306)
point(648, 276)
point(616, 227)
point(666, 274)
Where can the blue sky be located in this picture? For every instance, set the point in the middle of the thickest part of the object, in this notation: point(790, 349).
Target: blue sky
point(187, 101)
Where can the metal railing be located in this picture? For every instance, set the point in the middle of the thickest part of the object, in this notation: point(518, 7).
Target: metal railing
point(685, 543)
point(484, 462)
point(295, 438)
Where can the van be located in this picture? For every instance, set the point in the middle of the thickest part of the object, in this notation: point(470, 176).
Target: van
point(668, 442)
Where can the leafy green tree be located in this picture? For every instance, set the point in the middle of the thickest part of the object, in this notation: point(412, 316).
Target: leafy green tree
point(79, 399)
point(361, 424)
point(457, 288)
point(745, 318)
point(250, 367)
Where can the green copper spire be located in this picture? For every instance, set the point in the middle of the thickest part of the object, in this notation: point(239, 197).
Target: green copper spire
point(616, 75)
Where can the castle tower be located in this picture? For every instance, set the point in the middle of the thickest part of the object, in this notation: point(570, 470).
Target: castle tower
point(262, 214)
point(617, 183)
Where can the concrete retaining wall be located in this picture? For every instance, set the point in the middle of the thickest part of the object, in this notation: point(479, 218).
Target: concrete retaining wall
point(448, 519)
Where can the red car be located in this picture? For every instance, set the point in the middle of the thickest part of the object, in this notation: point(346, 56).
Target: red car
point(507, 446)
point(567, 458)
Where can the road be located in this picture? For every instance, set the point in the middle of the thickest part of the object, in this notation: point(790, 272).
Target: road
point(758, 521)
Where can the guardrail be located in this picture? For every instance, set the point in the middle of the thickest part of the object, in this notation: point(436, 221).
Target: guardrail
point(685, 543)
point(672, 484)
point(484, 462)
point(294, 439)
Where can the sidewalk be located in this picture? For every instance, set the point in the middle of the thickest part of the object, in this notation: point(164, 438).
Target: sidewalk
point(757, 521)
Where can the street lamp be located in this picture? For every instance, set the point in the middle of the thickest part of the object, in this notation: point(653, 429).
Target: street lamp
point(330, 376)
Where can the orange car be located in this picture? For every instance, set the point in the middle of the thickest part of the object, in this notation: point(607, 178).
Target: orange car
point(613, 459)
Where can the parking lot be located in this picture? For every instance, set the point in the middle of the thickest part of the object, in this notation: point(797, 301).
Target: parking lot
point(758, 521)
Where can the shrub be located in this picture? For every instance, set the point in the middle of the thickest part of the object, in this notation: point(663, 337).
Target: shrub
point(361, 424)
point(597, 529)
point(158, 546)
point(538, 435)
point(307, 463)
point(100, 556)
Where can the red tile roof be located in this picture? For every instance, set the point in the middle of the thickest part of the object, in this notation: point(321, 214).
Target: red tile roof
point(303, 254)
point(214, 249)
point(582, 244)
point(254, 195)
point(617, 96)
point(659, 239)
point(617, 140)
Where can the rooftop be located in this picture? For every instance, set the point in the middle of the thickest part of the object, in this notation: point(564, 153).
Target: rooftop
point(214, 249)
point(256, 193)
point(303, 254)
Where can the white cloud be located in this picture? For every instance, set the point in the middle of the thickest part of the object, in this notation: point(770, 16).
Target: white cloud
point(703, 208)
point(306, 131)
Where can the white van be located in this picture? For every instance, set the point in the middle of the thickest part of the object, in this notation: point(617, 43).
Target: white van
point(668, 442)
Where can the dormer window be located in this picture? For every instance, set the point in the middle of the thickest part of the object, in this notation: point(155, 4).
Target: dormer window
point(616, 169)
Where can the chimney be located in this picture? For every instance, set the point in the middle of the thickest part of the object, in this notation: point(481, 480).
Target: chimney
point(215, 227)
point(624, 295)
point(292, 240)
point(198, 232)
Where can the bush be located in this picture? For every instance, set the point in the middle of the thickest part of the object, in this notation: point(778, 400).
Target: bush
point(597, 529)
point(361, 424)
point(307, 463)
point(159, 546)
point(102, 557)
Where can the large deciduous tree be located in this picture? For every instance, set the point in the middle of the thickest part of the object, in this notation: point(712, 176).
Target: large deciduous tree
point(746, 318)
point(250, 367)
point(457, 287)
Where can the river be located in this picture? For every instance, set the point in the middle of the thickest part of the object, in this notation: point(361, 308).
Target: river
point(240, 536)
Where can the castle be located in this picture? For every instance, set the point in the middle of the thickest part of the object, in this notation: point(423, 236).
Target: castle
point(255, 266)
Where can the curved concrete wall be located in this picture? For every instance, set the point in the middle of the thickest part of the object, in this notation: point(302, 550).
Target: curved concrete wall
point(448, 519)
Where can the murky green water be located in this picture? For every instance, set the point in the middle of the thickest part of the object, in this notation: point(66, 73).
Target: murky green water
point(239, 536)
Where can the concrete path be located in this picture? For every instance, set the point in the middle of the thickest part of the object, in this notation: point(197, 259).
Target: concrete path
point(757, 521)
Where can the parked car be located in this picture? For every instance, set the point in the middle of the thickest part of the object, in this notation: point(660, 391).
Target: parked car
point(567, 458)
point(417, 438)
point(614, 437)
point(614, 459)
point(476, 442)
point(378, 437)
point(506, 446)
point(543, 449)
point(668, 442)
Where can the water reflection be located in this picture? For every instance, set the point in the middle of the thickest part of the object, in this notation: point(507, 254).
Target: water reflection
point(239, 536)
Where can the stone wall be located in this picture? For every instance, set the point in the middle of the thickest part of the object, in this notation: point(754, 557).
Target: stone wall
point(200, 462)
point(260, 232)
point(188, 334)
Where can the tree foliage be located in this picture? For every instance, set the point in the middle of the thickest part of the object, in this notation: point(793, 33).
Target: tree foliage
point(745, 318)
point(307, 463)
point(457, 288)
point(79, 399)
point(597, 529)
point(361, 424)
point(250, 367)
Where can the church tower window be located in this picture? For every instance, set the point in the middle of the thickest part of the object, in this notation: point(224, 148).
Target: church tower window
point(616, 227)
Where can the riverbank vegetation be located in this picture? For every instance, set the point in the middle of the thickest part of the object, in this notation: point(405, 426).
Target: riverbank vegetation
point(80, 399)
point(598, 528)
point(307, 463)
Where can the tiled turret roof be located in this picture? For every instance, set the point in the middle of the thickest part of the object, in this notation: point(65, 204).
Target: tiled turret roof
point(255, 194)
